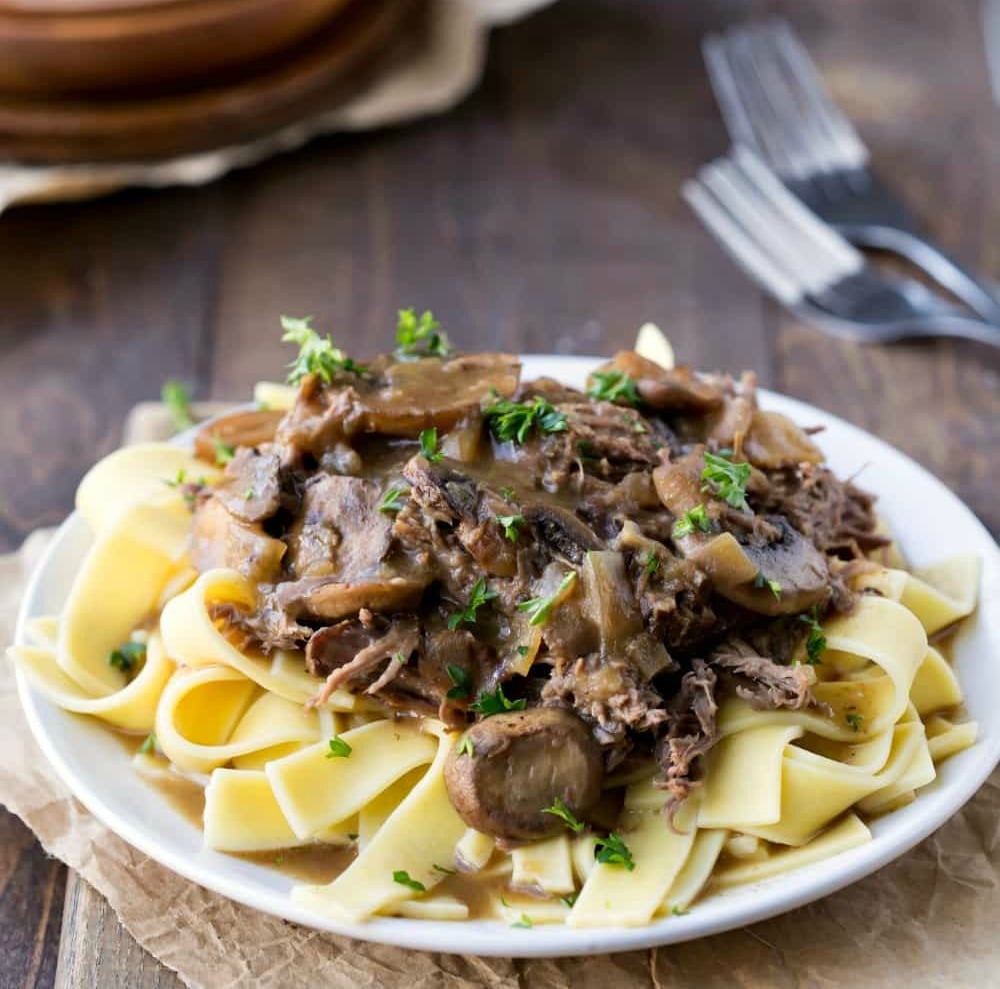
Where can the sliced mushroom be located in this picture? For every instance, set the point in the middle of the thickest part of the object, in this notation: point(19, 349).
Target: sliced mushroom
point(246, 427)
point(513, 766)
point(678, 390)
point(219, 539)
point(323, 599)
point(561, 531)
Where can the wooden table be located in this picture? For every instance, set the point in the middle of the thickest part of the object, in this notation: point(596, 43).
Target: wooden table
point(541, 215)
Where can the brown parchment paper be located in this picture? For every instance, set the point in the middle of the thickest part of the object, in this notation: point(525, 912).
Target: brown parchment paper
point(930, 919)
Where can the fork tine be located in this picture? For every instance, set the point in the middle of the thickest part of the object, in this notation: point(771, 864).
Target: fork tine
point(849, 149)
point(739, 245)
point(821, 236)
point(727, 91)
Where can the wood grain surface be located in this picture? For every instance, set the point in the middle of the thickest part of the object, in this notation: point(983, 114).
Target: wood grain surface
point(541, 215)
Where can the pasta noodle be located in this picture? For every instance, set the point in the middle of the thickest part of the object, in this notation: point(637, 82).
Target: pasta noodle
point(782, 788)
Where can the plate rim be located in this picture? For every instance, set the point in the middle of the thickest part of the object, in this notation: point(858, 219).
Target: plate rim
point(493, 938)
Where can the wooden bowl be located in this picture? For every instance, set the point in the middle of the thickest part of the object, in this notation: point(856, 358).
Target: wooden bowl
point(51, 48)
point(315, 76)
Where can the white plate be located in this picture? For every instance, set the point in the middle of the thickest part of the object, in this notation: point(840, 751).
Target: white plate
point(931, 523)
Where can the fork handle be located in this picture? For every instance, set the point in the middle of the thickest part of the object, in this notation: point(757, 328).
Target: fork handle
point(977, 294)
point(964, 327)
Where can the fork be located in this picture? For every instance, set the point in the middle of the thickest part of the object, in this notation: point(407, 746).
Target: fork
point(809, 267)
point(773, 101)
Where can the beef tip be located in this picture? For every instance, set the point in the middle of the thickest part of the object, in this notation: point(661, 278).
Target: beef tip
point(761, 681)
point(251, 485)
point(560, 531)
point(691, 732)
point(675, 391)
point(326, 599)
point(339, 531)
point(394, 647)
point(554, 392)
point(447, 494)
point(393, 398)
point(836, 515)
point(266, 629)
point(609, 694)
point(219, 539)
point(246, 427)
point(519, 763)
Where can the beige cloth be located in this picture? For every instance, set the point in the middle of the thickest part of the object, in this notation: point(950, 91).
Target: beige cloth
point(425, 81)
point(928, 921)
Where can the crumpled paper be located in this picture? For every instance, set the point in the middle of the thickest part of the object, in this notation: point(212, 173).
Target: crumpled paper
point(418, 83)
point(930, 920)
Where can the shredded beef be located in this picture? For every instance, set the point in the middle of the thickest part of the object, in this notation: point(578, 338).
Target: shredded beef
point(760, 680)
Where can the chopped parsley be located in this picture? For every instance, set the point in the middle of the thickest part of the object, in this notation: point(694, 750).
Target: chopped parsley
point(402, 877)
point(249, 494)
point(149, 744)
point(488, 704)
point(525, 921)
point(679, 911)
point(509, 493)
point(420, 336)
point(514, 420)
point(462, 681)
point(569, 899)
point(854, 719)
point(177, 399)
point(392, 500)
point(400, 658)
point(523, 651)
point(774, 586)
point(650, 563)
point(693, 518)
point(560, 810)
point(541, 607)
point(726, 480)
point(429, 445)
point(465, 747)
point(224, 452)
point(479, 596)
point(128, 655)
point(613, 386)
point(816, 640)
point(444, 870)
point(510, 524)
point(339, 749)
point(317, 355)
point(613, 851)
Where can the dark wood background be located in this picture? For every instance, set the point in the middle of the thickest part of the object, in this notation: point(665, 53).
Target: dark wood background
point(541, 215)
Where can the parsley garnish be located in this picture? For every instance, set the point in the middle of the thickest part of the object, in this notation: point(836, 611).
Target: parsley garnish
point(128, 655)
point(249, 494)
point(420, 336)
point(509, 493)
point(488, 704)
point(462, 681)
point(854, 720)
point(539, 608)
point(444, 870)
point(569, 899)
point(339, 749)
point(650, 564)
point(560, 810)
point(678, 911)
point(224, 452)
point(525, 921)
point(693, 518)
point(514, 420)
point(402, 877)
point(477, 599)
point(429, 445)
point(465, 747)
point(816, 640)
point(726, 480)
point(400, 658)
point(523, 650)
point(613, 851)
point(510, 524)
point(773, 585)
point(149, 744)
point(392, 499)
point(612, 386)
point(317, 355)
point(177, 399)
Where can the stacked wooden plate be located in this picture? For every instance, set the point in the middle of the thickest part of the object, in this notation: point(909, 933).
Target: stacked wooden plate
point(100, 80)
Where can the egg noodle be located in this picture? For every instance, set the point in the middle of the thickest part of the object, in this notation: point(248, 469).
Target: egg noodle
point(783, 788)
